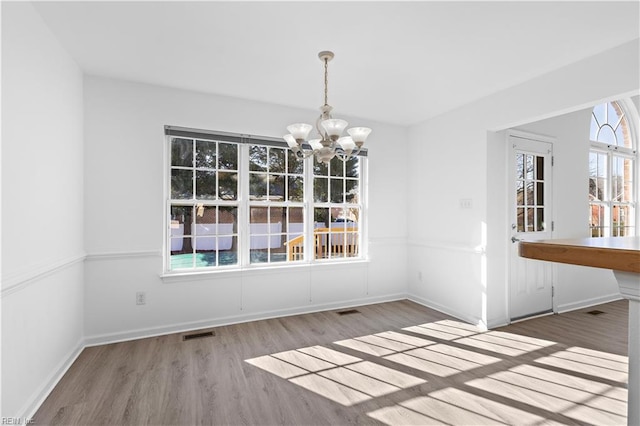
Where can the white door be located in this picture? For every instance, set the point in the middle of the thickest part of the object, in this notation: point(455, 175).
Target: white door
point(531, 281)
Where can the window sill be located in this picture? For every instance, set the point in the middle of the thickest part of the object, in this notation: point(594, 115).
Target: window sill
point(201, 275)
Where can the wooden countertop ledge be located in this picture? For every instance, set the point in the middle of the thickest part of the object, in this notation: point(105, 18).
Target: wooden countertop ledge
point(617, 253)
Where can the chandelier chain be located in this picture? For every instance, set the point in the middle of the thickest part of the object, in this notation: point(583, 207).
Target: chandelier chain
point(326, 81)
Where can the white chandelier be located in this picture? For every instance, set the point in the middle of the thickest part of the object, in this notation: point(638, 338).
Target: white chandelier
point(330, 142)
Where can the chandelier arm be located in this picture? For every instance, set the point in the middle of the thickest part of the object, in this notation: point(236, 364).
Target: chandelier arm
point(303, 154)
point(319, 126)
point(343, 157)
point(342, 154)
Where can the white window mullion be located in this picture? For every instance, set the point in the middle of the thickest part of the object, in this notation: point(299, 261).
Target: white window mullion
point(309, 205)
point(363, 228)
point(243, 206)
point(609, 194)
point(166, 193)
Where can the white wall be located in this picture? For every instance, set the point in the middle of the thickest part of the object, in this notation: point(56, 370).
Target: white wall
point(124, 219)
point(458, 156)
point(42, 217)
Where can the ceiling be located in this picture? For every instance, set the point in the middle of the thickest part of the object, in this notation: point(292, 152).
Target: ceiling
point(396, 62)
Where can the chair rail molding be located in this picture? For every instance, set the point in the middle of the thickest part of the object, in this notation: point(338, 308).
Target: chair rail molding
point(118, 255)
point(450, 246)
point(19, 281)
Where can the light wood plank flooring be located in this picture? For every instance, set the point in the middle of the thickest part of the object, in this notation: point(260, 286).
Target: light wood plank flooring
point(390, 363)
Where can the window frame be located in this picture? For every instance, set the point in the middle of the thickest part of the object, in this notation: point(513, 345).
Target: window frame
point(613, 152)
point(332, 206)
point(244, 204)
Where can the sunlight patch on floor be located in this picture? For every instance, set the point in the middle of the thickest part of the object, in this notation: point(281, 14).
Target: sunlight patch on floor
point(453, 406)
point(367, 348)
point(385, 374)
point(595, 358)
point(340, 377)
point(422, 364)
point(329, 355)
point(594, 387)
point(302, 360)
point(622, 359)
point(358, 381)
point(433, 332)
point(464, 354)
point(405, 338)
point(398, 415)
point(504, 343)
point(461, 325)
point(383, 342)
point(278, 367)
point(587, 364)
point(441, 360)
point(337, 392)
point(564, 388)
point(444, 329)
point(533, 341)
point(556, 398)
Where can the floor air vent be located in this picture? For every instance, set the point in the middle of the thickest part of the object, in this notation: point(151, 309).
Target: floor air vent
point(348, 312)
point(198, 335)
point(596, 312)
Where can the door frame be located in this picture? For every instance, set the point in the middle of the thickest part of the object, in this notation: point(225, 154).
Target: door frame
point(510, 202)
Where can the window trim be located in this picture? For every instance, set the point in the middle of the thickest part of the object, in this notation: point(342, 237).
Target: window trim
point(244, 204)
point(616, 151)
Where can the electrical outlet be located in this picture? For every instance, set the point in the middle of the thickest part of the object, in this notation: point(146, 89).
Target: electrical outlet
point(419, 275)
point(465, 203)
point(141, 298)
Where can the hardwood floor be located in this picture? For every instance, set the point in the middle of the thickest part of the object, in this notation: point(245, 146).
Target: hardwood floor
point(390, 363)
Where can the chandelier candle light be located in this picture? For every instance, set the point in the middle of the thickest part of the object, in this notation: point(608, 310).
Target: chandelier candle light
point(331, 143)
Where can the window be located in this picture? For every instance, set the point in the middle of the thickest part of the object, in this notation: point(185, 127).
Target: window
point(235, 201)
point(337, 209)
point(203, 203)
point(612, 164)
point(276, 202)
point(530, 183)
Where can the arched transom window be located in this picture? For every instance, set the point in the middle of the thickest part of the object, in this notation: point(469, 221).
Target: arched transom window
point(612, 163)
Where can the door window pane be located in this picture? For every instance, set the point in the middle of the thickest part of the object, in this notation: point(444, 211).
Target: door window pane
point(529, 196)
point(539, 193)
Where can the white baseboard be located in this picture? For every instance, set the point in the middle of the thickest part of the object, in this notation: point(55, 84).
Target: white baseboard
point(445, 310)
point(29, 410)
point(102, 339)
point(581, 304)
point(497, 322)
